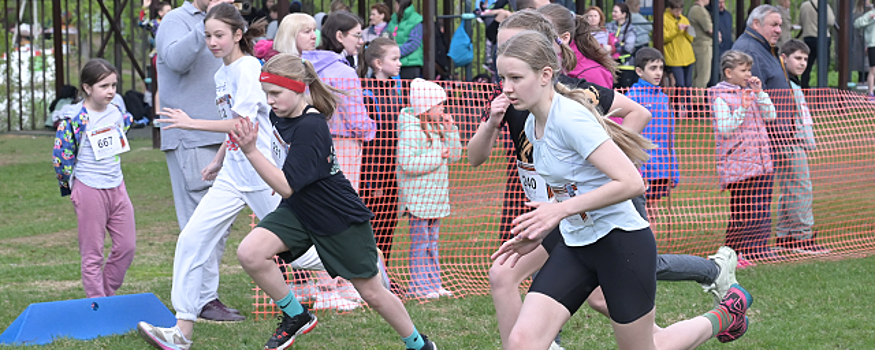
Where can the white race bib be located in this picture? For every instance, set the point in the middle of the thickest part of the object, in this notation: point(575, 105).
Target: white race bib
point(279, 149)
point(533, 184)
point(223, 103)
point(564, 193)
point(108, 141)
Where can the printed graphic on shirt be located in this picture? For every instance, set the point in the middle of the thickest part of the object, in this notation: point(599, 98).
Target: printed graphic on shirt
point(332, 159)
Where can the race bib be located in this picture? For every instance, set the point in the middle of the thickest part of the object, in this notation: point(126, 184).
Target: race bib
point(278, 148)
point(108, 141)
point(533, 184)
point(564, 193)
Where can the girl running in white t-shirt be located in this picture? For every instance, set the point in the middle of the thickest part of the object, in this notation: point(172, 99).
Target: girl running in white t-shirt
point(237, 184)
point(584, 158)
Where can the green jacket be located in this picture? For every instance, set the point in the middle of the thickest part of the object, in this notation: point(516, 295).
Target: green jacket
point(867, 25)
point(422, 173)
point(401, 32)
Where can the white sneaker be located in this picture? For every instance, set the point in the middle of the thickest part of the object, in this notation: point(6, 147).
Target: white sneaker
point(554, 346)
point(432, 295)
point(727, 260)
point(348, 291)
point(444, 293)
point(333, 300)
point(163, 338)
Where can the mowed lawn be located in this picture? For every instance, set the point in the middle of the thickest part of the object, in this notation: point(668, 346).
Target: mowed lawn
point(804, 304)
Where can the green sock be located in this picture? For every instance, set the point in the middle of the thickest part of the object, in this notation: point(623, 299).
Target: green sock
point(720, 319)
point(290, 305)
point(414, 341)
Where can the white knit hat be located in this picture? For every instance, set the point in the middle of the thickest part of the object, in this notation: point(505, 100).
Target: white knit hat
point(424, 95)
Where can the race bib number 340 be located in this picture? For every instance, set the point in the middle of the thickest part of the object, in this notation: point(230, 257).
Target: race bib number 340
point(108, 141)
point(533, 184)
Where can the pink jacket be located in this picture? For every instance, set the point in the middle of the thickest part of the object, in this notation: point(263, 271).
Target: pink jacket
point(743, 153)
point(590, 70)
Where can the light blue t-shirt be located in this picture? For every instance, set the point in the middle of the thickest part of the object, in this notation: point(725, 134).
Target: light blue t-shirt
point(572, 133)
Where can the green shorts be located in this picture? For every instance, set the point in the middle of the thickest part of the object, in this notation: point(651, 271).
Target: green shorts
point(349, 254)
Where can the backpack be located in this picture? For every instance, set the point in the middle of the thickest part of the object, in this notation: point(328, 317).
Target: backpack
point(461, 49)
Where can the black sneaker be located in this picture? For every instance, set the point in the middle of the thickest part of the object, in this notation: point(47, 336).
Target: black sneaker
point(429, 345)
point(289, 328)
point(802, 246)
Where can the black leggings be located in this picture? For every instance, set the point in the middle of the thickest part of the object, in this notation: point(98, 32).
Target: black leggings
point(623, 263)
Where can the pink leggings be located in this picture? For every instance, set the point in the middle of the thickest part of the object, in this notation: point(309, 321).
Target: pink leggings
point(99, 211)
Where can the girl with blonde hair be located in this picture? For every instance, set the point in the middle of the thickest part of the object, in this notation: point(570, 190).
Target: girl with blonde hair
point(589, 163)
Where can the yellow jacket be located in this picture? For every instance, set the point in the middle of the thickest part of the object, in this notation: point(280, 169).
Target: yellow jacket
point(678, 44)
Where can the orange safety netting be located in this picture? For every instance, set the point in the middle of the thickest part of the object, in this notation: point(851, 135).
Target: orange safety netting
point(692, 218)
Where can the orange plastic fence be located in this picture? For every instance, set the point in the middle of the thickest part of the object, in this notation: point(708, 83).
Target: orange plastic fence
point(692, 219)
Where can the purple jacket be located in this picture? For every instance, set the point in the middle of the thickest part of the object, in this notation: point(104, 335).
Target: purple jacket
point(743, 153)
point(351, 119)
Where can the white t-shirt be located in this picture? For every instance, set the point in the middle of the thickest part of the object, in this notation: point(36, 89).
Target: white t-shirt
point(107, 172)
point(239, 94)
point(572, 133)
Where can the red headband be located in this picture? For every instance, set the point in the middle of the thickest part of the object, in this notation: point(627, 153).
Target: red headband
point(287, 83)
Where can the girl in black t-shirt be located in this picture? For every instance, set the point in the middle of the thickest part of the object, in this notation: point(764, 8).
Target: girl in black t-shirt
point(319, 207)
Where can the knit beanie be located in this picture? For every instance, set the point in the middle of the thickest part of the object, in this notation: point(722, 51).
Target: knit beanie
point(425, 94)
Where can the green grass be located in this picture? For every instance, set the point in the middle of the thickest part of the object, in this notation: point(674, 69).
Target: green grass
point(811, 304)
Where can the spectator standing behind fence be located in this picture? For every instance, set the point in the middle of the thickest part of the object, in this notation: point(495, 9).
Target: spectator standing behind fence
point(350, 126)
point(661, 170)
point(85, 156)
point(744, 164)
point(342, 33)
point(859, 61)
point(724, 24)
point(593, 63)
point(640, 24)
point(866, 22)
point(679, 56)
point(621, 27)
point(377, 29)
point(596, 20)
point(795, 216)
point(379, 183)
point(759, 39)
point(406, 29)
point(808, 20)
point(786, 21)
point(703, 46)
point(428, 140)
point(186, 68)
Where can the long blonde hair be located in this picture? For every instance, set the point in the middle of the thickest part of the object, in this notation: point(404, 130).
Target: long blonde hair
point(286, 40)
point(322, 96)
point(536, 50)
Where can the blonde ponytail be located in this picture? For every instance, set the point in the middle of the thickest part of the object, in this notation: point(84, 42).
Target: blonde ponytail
point(631, 143)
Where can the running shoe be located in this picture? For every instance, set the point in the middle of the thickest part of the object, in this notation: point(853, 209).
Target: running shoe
point(735, 331)
point(429, 345)
point(289, 328)
point(163, 338)
point(727, 260)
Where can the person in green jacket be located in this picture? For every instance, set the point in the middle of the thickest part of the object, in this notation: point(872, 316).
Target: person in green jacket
point(428, 140)
point(406, 29)
point(866, 23)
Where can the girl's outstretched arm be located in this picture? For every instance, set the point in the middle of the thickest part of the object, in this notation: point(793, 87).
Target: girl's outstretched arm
point(245, 134)
point(177, 119)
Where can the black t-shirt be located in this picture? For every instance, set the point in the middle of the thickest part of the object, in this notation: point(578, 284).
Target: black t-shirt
point(515, 120)
point(323, 198)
